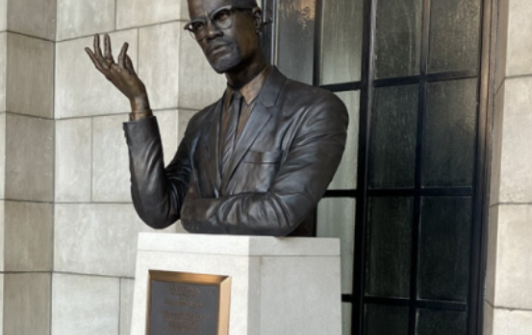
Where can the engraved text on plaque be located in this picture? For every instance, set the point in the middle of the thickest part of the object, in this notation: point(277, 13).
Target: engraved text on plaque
point(188, 304)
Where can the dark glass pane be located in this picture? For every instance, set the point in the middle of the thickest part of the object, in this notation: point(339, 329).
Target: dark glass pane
point(347, 309)
point(454, 35)
point(341, 41)
point(393, 137)
point(444, 246)
point(386, 320)
point(296, 19)
point(432, 322)
point(450, 131)
point(346, 175)
point(398, 38)
point(336, 218)
point(389, 245)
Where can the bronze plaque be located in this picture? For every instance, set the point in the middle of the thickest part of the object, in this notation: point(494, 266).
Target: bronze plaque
point(188, 304)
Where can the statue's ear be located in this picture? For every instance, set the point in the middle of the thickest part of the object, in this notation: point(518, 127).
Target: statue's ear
point(257, 20)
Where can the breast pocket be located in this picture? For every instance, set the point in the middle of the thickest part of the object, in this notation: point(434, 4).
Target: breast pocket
point(258, 170)
point(263, 157)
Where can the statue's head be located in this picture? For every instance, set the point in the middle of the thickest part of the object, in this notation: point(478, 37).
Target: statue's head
point(227, 32)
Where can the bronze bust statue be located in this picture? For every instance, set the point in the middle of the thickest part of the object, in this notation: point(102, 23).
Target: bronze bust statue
point(257, 161)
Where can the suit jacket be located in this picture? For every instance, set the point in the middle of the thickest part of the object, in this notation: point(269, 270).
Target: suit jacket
point(283, 162)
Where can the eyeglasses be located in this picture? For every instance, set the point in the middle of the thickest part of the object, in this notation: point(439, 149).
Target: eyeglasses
point(221, 18)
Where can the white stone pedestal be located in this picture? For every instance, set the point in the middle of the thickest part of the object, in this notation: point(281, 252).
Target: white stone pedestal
point(280, 286)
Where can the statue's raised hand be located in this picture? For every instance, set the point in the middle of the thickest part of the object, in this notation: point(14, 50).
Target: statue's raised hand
point(121, 73)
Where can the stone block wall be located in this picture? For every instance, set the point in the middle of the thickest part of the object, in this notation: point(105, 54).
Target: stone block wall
point(3, 137)
point(68, 230)
point(27, 165)
point(508, 300)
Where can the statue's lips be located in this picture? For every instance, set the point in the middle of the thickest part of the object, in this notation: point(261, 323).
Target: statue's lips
point(216, 48)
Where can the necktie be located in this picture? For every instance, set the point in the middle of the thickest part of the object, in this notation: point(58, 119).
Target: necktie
point(230, 133)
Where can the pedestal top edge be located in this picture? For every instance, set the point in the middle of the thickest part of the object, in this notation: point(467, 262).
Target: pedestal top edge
point(239, 245)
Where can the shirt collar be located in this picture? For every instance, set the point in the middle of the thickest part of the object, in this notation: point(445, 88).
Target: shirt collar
point(251, 90)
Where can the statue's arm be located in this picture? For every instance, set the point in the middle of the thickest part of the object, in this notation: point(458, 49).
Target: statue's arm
point(298, 186)
point(157, 192)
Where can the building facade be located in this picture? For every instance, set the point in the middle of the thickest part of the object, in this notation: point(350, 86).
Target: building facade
point(432, 200)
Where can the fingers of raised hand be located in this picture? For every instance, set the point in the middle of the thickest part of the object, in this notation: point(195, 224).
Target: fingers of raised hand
point(122, 56)
point(104, 64)
point(96, 55)
point(122, 73)
point(108, 51)
point(129, 65)
point(97, 50)
point(94, 59)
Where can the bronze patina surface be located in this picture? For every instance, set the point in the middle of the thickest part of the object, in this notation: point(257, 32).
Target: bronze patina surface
point(255, 162)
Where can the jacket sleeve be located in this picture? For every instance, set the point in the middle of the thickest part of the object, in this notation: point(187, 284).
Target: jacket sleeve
point(298, 186)
point(157, 192)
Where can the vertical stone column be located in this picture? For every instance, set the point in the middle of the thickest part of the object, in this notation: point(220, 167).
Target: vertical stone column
point(508, 305)
point(3, 63)
point(27, 128)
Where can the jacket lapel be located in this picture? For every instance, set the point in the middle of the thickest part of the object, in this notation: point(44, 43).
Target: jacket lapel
point(256, 122)
point(260, 115)
point(212, 145)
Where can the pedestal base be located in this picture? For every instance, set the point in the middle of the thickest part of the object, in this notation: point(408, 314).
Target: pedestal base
point(280, 286)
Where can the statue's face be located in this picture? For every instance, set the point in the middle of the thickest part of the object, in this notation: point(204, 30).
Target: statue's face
point(230, 49)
